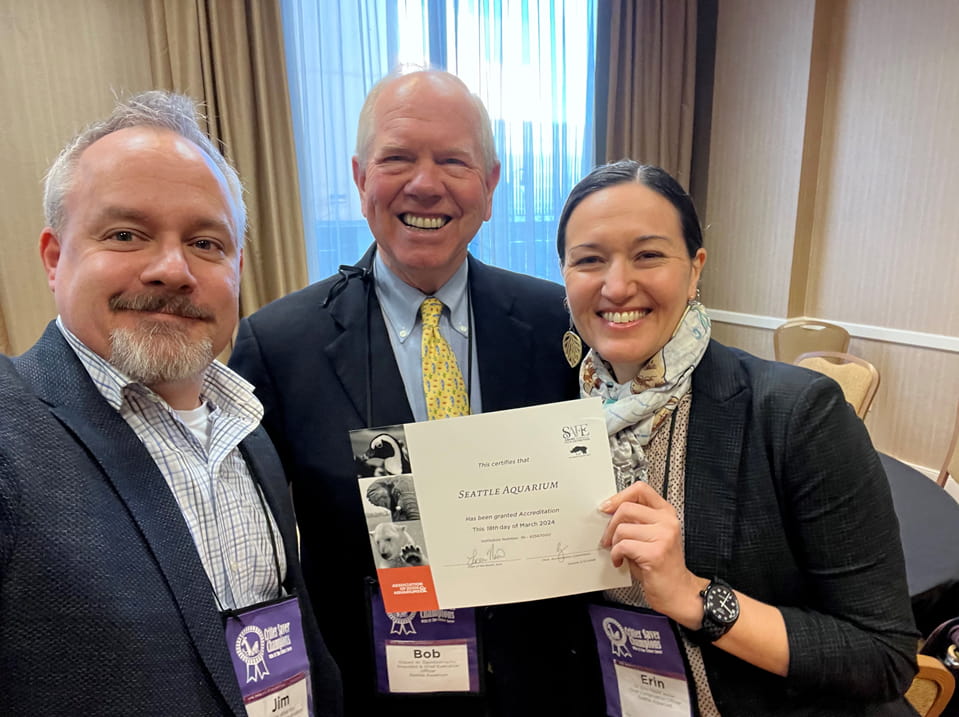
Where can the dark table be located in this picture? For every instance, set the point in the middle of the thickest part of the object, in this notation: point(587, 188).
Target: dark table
point(929, 529)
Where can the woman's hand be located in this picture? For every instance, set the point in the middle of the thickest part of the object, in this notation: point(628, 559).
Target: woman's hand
point(644, 530)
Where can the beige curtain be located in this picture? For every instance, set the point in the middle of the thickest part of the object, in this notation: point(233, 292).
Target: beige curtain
point(229, 55)
point(652, 73)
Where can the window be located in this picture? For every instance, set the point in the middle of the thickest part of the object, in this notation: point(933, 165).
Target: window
point(532, 63)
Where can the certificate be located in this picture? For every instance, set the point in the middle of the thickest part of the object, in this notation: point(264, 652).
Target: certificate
point(488, 509)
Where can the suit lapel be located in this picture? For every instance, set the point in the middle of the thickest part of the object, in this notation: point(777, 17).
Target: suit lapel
point(502, 341)
point(60, 380)
point(721, 400)
point(363, 346)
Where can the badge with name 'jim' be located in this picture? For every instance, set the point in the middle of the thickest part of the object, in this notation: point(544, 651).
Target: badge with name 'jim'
point(270, 661)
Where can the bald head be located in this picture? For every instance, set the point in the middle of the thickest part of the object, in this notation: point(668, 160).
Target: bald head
point(398, 87)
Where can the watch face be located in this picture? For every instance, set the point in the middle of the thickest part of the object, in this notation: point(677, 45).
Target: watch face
point(721, 604)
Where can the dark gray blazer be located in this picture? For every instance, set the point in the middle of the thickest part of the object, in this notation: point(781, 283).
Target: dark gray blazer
point(309, 364)
point(105, 608)
point(787, 501)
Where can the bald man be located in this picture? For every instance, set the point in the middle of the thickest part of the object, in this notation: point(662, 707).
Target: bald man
point(344, 354)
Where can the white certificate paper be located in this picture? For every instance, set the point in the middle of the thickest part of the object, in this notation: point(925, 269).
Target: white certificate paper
point(506, 506)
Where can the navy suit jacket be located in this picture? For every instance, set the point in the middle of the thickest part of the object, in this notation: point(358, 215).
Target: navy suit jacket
point(105, 608)
point(322, 371)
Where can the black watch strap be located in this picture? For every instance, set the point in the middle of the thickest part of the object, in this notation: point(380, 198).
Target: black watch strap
point(720, 612)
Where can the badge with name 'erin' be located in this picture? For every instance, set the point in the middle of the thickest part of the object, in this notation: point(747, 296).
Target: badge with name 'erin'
point(270, 661)
point(644, 674)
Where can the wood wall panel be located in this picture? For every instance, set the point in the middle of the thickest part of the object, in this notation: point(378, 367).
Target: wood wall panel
point(871, 236)
point(886, 235)
point(61, 64)
point(762, 68)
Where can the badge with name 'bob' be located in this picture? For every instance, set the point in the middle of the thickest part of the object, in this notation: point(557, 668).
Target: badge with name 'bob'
point(430, 651)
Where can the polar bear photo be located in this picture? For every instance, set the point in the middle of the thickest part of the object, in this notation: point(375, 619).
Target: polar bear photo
point(394, 547)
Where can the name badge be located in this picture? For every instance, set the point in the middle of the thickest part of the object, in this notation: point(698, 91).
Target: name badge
point(269, 658)
point(644, 672)
point(426, 651)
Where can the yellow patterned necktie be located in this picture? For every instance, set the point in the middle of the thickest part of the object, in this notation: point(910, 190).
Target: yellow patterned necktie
point(443, 383)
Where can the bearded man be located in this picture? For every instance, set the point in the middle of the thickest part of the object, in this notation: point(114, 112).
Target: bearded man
point(148, 557)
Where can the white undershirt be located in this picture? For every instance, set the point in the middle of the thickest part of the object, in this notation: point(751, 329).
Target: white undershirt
point(198, 421)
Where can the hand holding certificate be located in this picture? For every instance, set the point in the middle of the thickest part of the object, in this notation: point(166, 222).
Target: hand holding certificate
point(489, 509)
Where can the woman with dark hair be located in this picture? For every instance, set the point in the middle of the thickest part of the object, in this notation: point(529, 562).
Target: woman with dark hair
point(753, 512)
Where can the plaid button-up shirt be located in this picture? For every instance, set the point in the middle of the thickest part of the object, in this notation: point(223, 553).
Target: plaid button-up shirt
point(212, 484)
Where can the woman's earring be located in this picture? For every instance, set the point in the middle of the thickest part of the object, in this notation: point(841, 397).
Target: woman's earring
point(696, 299)
point(572, 344)
point(572, 347)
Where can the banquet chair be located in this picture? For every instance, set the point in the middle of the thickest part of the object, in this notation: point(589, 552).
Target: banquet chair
point(858, 378)
point(798, 336)
point(931, 688)
point(950, 466)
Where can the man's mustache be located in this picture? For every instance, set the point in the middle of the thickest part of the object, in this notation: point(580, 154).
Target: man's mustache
point(178, 305)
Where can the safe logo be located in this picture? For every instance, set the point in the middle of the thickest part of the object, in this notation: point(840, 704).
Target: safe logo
point(576, 432)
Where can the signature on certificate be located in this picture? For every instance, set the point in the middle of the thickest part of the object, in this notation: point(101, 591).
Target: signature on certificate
point(561, 551)
point(493, 552)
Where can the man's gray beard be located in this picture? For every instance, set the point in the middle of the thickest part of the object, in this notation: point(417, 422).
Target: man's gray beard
point(156, 353)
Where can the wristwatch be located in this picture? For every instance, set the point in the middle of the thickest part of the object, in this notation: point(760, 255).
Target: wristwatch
point(720, 612)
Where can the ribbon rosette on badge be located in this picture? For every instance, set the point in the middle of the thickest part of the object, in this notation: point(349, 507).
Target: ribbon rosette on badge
point(250, 647)
point(402, 623)
point(617, 637)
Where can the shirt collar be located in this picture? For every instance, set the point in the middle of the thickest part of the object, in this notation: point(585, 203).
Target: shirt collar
point(401, 302)
point(222, 387)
